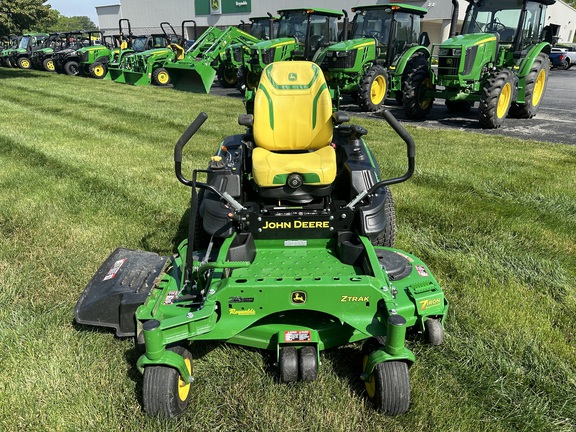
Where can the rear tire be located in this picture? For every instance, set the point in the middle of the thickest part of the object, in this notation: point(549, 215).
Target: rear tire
point(164, 393)
point(536, 82)
point(373, 89)
point(71, 68)
point(388, 235)
point(48, 65)
point(497, 96)
point(416, 104)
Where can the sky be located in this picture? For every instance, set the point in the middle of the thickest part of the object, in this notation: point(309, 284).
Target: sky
point(79, 7)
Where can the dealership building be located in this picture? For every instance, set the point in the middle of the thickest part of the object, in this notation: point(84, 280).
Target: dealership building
point(146, 15)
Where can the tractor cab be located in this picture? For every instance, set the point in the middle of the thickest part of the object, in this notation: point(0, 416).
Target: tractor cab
point(263, 27)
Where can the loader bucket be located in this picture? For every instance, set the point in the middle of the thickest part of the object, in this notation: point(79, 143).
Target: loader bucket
point(136, 78)
point(120, 285)
point(116, 75)
point(196, 77)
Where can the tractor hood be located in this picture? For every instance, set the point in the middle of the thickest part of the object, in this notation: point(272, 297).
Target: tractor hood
point(273, 43)
point(351, 44)
point(469, 40)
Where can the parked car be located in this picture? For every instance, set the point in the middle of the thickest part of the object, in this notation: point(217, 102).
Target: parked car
point(559, 59)
point(570, 50)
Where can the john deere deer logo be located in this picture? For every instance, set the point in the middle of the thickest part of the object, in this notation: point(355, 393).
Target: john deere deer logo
point(292, 76)
point(299, 297)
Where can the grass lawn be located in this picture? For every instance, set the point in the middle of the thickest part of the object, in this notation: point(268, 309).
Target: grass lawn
point(87, 166)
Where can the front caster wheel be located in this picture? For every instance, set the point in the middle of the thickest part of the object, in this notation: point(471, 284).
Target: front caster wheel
point(433, 331)
point(308, 363)
point(389, 387)
point(165, 394)
point(288, 364)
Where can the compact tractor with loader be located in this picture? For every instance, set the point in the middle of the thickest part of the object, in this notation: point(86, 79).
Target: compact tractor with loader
point(384, 46)
point(290, 249)
point(499, 59)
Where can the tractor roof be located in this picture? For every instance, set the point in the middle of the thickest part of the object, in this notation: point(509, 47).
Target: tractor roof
point(399, 7)
point(328, 12)
point(262, 18)
point(544, 2)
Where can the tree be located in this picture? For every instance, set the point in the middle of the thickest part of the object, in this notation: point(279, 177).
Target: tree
point(61, 23)
point(18, 15)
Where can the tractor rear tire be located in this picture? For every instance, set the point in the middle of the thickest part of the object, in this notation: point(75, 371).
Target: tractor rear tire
point(48, 65)
point(24, 63)
point(496, 99)
point(97, 70)
point(416, 104)
point(164, 393)
point(160, 77)
point(373, 89)
point(388, 235)
point(228, 78)
point(536, 82)
point(72, 68)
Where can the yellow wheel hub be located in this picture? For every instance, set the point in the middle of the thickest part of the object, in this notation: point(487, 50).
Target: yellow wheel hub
point(163, 77)
point(371, 383)
point(25, 64)
point(184, 387)
point(539, 87)
point(50, 65)
point(378, 90)
point(99, 71)
point(504, 100)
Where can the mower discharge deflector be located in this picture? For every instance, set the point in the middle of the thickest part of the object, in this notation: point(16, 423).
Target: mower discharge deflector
point(120, 285)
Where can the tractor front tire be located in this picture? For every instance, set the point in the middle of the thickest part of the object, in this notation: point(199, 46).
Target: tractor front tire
point(164, 392)
point(496, 99)
point(160, 77)
point(72, 68)
point(416, 104)
point(373, 89)
point(536, 82)
point(97, 70)
point(24, 63)
point(48, 65)
point(228, 78)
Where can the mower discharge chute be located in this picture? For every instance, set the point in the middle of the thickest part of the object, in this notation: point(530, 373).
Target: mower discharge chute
point(290, 249)
point(195, 70)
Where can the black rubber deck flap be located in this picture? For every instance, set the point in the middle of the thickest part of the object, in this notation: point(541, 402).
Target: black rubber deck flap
point(120, 285)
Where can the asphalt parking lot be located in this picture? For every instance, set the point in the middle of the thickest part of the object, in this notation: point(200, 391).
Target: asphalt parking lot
point(554, 121)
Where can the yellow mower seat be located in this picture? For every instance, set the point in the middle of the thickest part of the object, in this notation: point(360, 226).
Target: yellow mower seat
point(293, 126)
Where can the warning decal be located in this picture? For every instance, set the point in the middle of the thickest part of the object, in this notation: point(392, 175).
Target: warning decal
point(115, 268)
point(297, 336)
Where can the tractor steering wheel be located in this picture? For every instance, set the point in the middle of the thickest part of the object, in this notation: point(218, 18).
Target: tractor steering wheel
point(376, 35)
point(298, 35)
point(495, 27)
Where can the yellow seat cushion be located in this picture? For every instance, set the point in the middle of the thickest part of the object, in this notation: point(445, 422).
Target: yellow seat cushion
point(272, 169)
point(292, 107)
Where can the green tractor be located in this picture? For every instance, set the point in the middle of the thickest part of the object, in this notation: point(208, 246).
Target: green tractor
point(20, 57)
point(384, 46)
point(290, 250)
point(499, 59)
point(147, 67)
point(42, 57)
point(195, 69)
point(237, 55)
point(93, 60)
point(302, 34)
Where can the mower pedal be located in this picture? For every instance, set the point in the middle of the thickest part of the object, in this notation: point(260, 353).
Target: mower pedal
point(120, 285)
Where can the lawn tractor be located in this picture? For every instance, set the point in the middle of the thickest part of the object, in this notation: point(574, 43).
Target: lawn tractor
point(41, 58)
point(302, 34)
point(237, 55)
point(290, 249)
point(20, 57)
point(499, 59)
point(195, 69)
point(385, 45)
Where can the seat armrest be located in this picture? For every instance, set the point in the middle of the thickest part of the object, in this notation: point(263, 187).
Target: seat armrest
point(246, 120)
point(340, 117)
